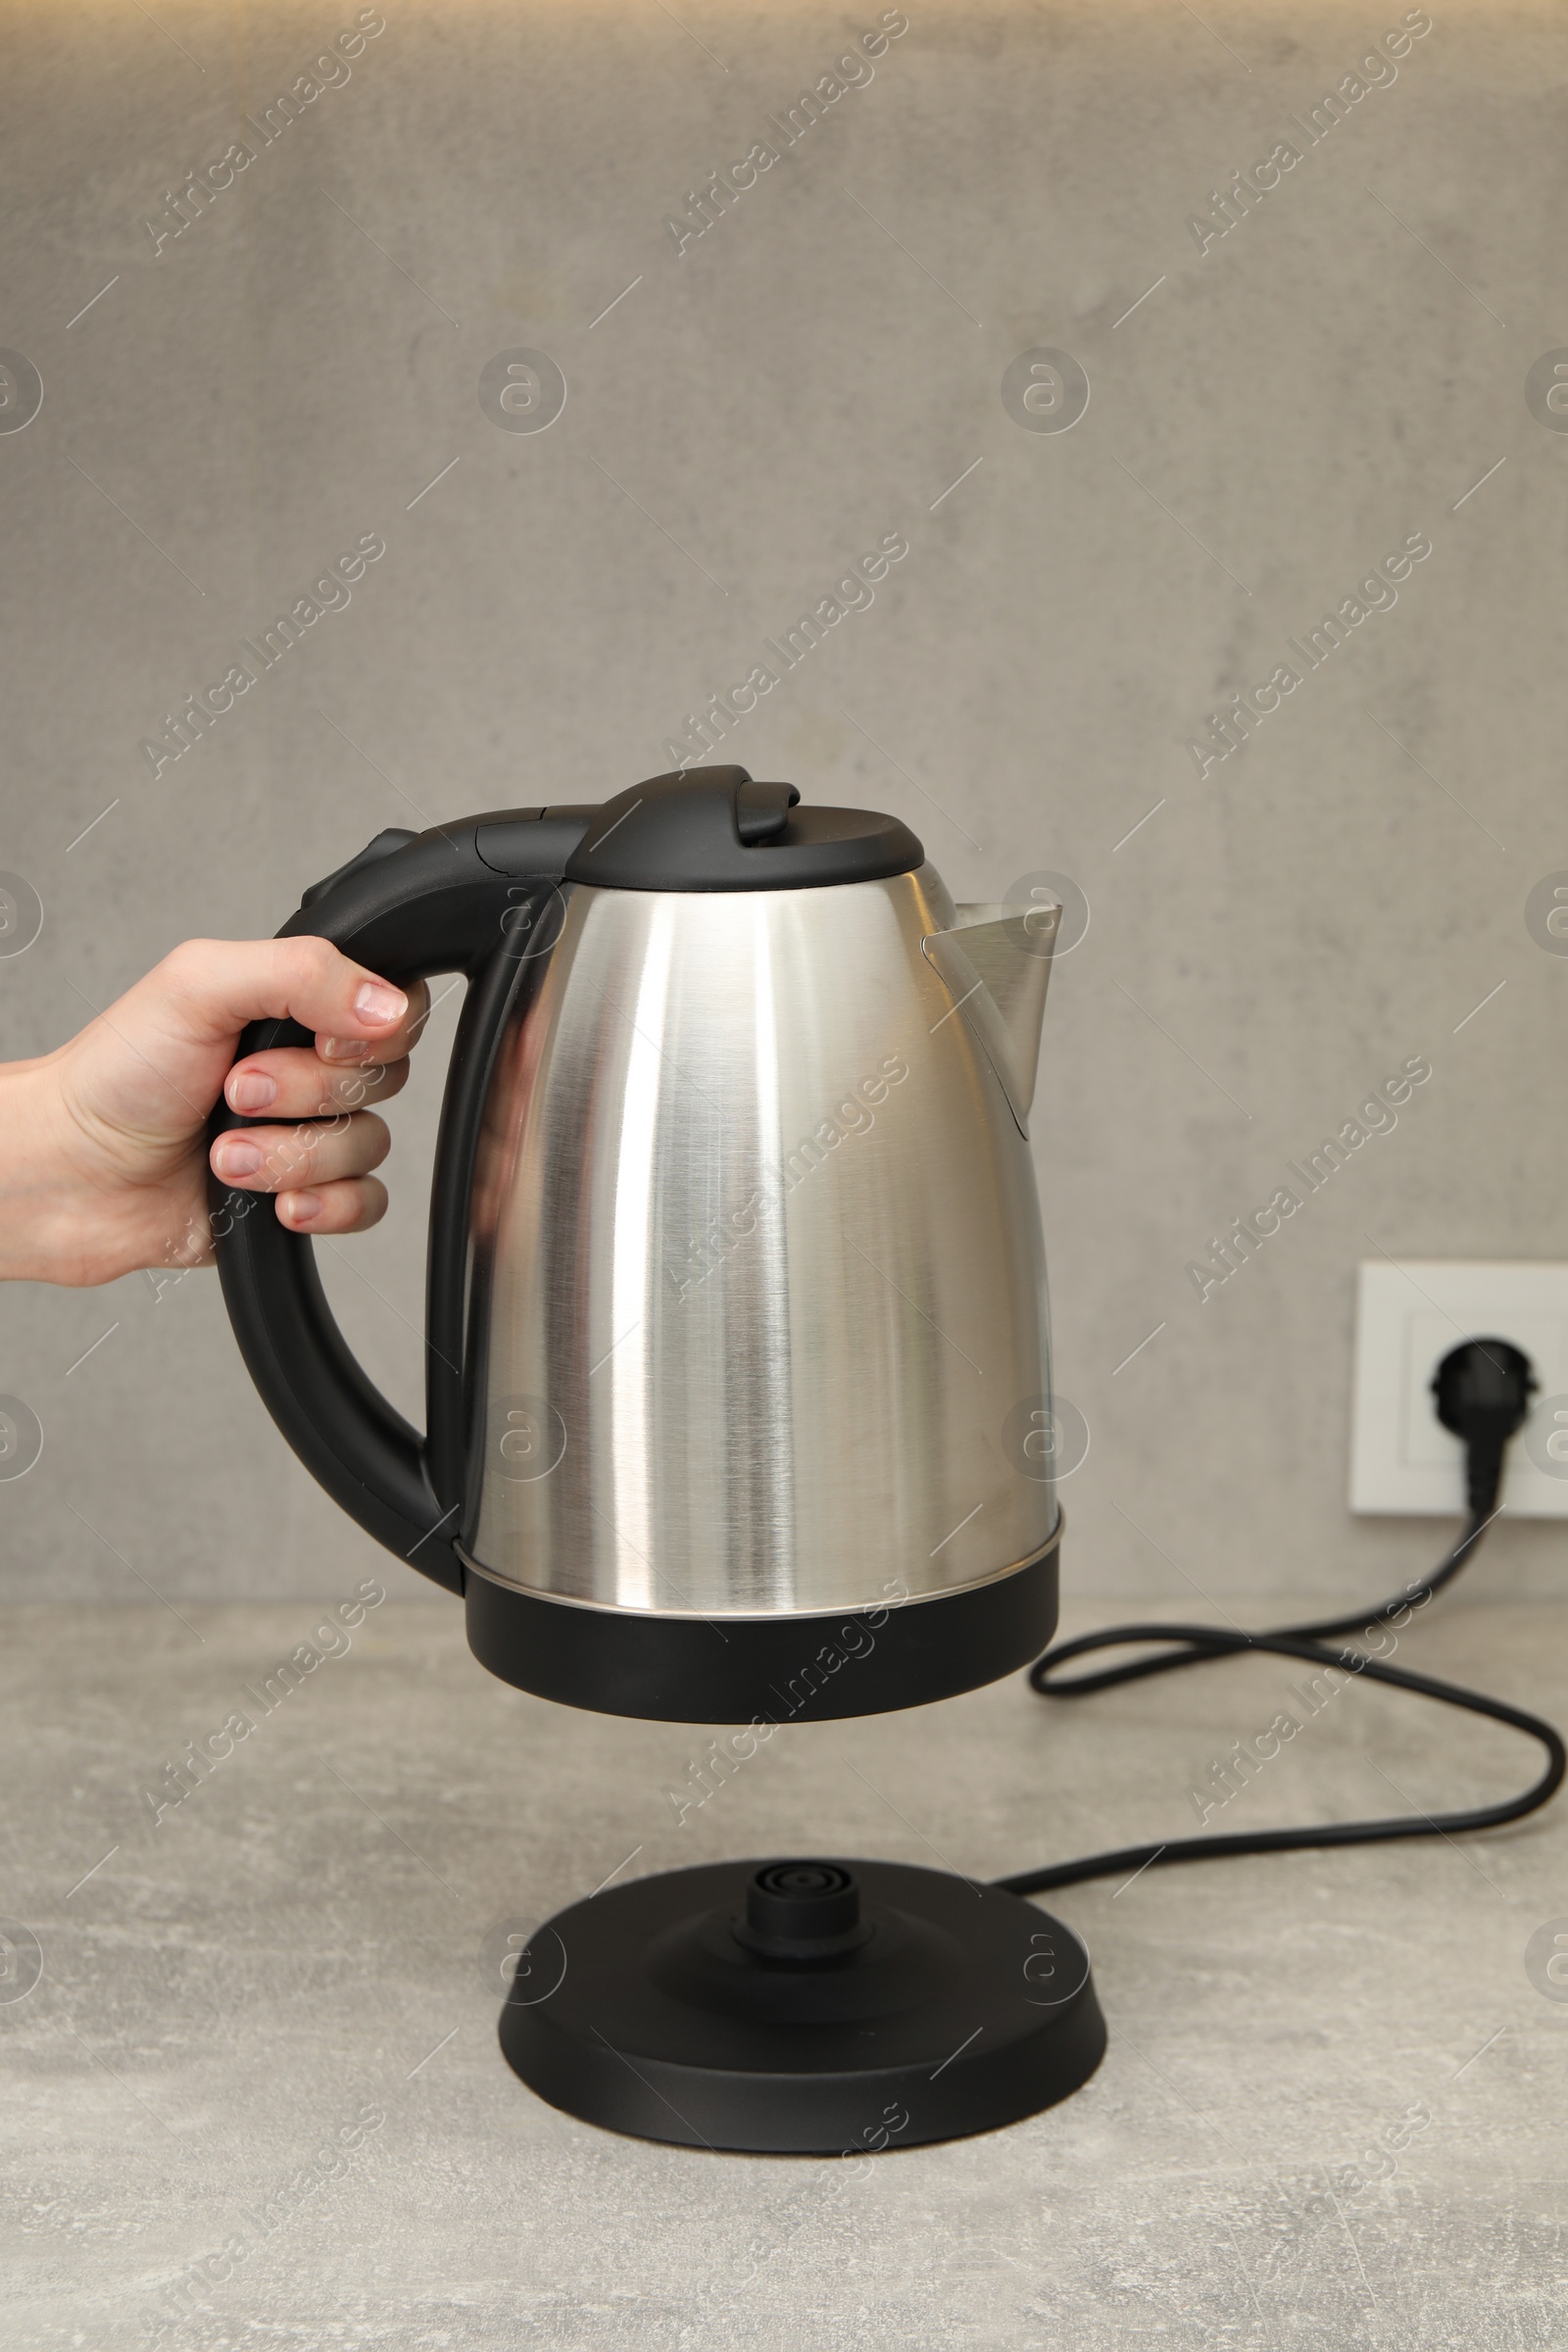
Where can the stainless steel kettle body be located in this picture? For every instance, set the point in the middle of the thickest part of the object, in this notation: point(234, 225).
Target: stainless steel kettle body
point(739, 1368)
point(756, 1265)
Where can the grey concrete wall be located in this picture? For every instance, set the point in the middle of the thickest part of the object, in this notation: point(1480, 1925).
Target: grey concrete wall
point(1273, 412)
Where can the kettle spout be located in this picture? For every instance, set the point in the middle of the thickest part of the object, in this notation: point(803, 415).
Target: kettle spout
point(996, 965)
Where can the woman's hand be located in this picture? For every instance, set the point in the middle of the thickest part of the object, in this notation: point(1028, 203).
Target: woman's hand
point(103, 1144)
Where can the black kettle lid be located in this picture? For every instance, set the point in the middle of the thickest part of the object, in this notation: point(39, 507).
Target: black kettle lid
point(712, 828)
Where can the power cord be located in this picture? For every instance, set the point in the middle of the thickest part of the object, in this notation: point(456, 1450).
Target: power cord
point(1483, 1395)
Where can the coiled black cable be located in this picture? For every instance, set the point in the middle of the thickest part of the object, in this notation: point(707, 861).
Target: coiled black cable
point(1486, 1399)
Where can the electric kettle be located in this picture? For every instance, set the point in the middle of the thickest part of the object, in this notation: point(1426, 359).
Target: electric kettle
point(738, 1407)
point(737, 1358)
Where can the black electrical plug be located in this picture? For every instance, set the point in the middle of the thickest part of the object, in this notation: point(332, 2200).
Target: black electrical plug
point(1482, 1390)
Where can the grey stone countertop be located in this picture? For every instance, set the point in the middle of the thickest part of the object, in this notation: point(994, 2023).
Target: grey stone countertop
point(255, 2096)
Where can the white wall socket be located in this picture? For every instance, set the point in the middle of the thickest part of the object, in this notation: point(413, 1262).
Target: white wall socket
point(1408, 1315)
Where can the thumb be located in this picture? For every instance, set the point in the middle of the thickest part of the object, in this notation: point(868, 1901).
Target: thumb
point(209, 988)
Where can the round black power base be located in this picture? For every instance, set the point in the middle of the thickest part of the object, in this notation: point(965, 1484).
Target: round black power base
point(806, 2007)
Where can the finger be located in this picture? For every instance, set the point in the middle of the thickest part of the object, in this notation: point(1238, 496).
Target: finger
point(351, 1207)
point(209, 988)
point(396, 1044)
point(278, 1159)
point(292, 1084)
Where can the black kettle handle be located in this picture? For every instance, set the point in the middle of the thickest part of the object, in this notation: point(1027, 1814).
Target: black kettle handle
point(471, 898)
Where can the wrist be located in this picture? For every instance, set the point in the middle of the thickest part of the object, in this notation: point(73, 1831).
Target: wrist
point(31, 1179)
point(68, 1215)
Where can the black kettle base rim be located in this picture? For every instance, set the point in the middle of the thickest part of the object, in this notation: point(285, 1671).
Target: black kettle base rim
point(773, 1669)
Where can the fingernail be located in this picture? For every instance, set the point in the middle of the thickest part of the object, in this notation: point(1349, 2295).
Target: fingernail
point(252, 1091)
point(235, 1157)
point(343, 1049)
point(379, 1005)
point(303, 1208)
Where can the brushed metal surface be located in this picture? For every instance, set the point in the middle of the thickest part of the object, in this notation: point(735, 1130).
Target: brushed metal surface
point(757, 1273)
